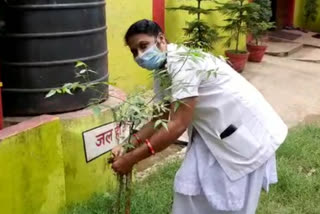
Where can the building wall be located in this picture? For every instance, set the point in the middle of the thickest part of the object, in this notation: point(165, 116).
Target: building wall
point(82, 180)
point(31, 168)
point(122, 67)
point(42, 163)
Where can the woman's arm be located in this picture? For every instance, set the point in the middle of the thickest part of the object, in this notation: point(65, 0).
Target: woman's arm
point(161, 139)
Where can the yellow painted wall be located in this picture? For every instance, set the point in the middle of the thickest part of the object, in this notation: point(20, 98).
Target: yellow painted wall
point(43, 169)
point(122, 68)
point(84, 179)
point(299, 17)
point(31, 171)
point(176, 20)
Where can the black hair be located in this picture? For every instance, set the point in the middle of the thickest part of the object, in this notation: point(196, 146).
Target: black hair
point(143, 26)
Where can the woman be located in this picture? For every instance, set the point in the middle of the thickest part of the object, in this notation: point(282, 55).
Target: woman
point(233, 131)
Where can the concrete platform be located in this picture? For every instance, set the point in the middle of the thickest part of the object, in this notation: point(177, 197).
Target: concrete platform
point(292, 87)
point(305, 38)
point(307, 54)
point(282, 48)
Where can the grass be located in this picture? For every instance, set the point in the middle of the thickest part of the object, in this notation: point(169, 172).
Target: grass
point(298, 190)
point(152, 196)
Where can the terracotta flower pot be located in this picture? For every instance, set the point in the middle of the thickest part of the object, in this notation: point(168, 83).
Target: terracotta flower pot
point(256, 52)
point(238, 60)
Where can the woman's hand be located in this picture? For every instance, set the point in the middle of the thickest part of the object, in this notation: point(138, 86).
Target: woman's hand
point(122, 165)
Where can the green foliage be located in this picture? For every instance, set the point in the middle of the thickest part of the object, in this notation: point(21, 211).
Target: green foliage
point(82, 73)
point(192, 10)
point(199, 34)
point(310, 11)
point(238, 13)
point(258, 22)
point(151, 196)
point(265, 12)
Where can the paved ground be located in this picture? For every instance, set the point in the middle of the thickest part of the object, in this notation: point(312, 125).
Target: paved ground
point(283, 48)
point(307, 54)
point(305, 38)
point(292, 87)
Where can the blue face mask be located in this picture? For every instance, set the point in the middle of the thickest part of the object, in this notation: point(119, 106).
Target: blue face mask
point(152, 58)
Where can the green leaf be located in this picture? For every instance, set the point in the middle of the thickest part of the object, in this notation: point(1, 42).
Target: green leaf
point(83, 71)
point(109, 83)
point(92, 71)
point(80, 64)
point(83, 87)
point(51, 93)
point(67, 90)
point(157, 123)
point(165, 125)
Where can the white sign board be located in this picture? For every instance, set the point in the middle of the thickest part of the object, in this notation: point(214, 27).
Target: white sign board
point(103, 139)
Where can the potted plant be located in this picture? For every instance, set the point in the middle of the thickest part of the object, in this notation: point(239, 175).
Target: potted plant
point(258, 24)
point(238, 12)
point(198, 32)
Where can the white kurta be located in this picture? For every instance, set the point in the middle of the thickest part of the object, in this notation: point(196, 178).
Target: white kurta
point(223, 100)
point(202, 187)
point(222, 173)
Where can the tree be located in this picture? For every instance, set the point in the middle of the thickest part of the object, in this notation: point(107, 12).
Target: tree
point(198, 32)
point(238, 13)
point(265, 11)
point(258, 22)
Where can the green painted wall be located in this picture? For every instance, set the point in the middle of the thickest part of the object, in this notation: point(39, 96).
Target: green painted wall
point(31, 171)
point(84, 179)
point(176, 20)
point(299, 17)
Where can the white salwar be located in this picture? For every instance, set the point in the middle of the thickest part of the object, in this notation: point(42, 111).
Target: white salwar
point(202, 187)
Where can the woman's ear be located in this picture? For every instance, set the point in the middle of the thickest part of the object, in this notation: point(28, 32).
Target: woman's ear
point(162, 39)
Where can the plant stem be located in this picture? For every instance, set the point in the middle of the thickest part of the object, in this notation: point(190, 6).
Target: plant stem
point(128, 193)
point(239, 27)
point(118, 204)
point(199, 7)
point(198, 18)
point(238, 37)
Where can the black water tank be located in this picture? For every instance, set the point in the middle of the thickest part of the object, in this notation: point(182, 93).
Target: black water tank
point(42, 42)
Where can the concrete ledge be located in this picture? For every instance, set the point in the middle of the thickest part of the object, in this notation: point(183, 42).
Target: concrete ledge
point(25, 126)
point(116, 96)
point(282, 49)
